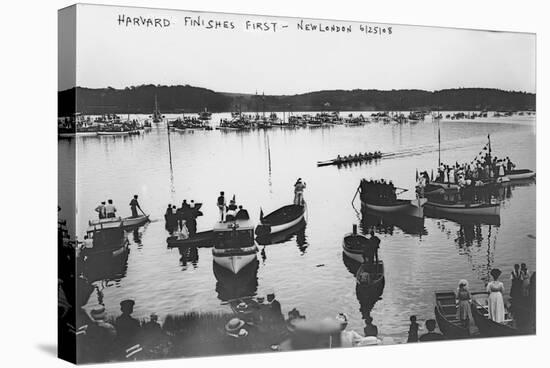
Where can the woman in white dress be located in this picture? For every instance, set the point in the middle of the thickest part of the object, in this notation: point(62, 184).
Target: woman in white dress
point(495, 289)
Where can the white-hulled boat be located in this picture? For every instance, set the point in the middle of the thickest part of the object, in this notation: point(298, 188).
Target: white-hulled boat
point(114, 222)
point(234, 244)
point(407, 207)
point(459, 208)
point(281, 219)
point(520, 174)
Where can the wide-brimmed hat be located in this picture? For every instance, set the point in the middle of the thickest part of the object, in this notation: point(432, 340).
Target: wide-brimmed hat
point(463, 282)
point(234, 325)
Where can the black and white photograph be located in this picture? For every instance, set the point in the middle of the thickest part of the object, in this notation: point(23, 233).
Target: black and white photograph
point(236, 184)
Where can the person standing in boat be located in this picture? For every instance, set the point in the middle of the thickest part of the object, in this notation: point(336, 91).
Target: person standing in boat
point(299, 192)
point(110, 209)
point(134, 205)
point(375, 244)
point(464, 312)
point(495, 289)
point(221, 205)
point(101, 213)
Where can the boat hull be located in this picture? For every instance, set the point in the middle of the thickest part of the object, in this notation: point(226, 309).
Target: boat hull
point(234, 262)
point(521, 175)
point(267, 229)
point(413, 207)
point(462, 209)
point(135, 221)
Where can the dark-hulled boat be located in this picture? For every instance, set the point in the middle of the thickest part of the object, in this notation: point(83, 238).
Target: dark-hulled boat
point(353, 245)
point(373, 284)
point(281, 219)
point(282, 236)
point(446, 315)
point(349, 160)
point(201, 239)
point(488, 327)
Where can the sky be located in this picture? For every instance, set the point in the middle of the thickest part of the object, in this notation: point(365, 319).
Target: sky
point(290, 60)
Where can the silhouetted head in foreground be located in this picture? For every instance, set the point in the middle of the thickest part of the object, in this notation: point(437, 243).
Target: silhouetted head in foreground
point(430, 325)
point(127, 306)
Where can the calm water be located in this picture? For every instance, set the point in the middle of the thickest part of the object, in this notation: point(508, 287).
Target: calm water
point(307, 271)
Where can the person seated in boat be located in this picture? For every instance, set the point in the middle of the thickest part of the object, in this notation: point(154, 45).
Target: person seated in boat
point(338, 158)
point(275, 313)
point(101, 213)
point(110, 209)
point(232, 206)
point(127, 327)
point(431, 335)
point(242, 214)
point(134, 205)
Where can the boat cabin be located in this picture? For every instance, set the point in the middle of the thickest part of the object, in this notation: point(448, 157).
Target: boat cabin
point(234, 234)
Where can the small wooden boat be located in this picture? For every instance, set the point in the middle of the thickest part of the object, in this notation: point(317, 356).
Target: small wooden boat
point(488, 327)
point(135, 221)
point(373, 284)
point(461, 208)
point(520, 174)
point(282, 236)
point(409, 207)
point(114, 222)
point(281, 219)
point(234, 246)
point(353, 245)
point(446, 316)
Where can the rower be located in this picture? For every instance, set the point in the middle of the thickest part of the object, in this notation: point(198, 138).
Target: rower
point(242, 214)
point(134, 205)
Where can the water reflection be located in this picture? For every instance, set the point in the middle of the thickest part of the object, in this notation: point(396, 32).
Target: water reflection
point(366, 296)
point(188, 255)
point(385, 223)
point(231, 286)
point(475, 239)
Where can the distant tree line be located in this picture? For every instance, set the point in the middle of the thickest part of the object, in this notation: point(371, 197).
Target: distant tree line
point(177, 99)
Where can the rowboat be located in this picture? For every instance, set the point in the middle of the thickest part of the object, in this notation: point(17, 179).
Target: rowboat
point(135, 221)
point(409, 207)
point(353, 245)
point(234, 246)
point(520, 174)
point(114, 222)
point(281, 219)
point(459, 208)
point(372, 286)
point(342, 161)
point(488, 327)
point(445, 311)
